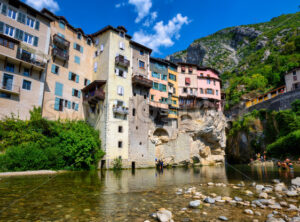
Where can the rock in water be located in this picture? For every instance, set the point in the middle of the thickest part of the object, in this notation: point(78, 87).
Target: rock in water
point(164, 215)
point(223, 218)
point(296, 181)
point(292, 193)
point(263, 195)
point(248, 211)
point(209, 200)
point(195, 204)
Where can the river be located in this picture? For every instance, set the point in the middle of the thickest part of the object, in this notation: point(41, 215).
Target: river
point(127, 195)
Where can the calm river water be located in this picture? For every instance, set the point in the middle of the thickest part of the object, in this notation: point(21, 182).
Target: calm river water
point(125, 196)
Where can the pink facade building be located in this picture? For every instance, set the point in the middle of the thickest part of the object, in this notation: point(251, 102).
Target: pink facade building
point(198, 87)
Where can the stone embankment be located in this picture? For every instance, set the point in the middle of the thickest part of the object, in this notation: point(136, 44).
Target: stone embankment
point(269, 202)
point(199, 139)
point(28, 173)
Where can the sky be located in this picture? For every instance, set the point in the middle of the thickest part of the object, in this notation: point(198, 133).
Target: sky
point(166, 26)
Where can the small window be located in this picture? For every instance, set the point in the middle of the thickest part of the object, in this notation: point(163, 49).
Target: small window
point(66, 103)
point(120, 129)
point(133, 112)
point(86, 82)
point(9, 31)
point(73, 105)
point(76, 93)
point(62, 25)
point(89, 41)
point(77, 59)
point(120, 90)
point(79, 36)
point(214, 82)
point(142, 64)
point(12, 13)
point(145, 96)
point(136, 127)
point(142, 52)
point(55, 69)
point(184, 90)
point(10, 67)
point(122, 34)
point(152, 97)
point(120, 144)
point(28, 38)
point(26, 85)
point(294, 73)
point(164, 77)
point(201, 90)
point(208, 81)
point(73, 76)
point(217, 92)
point(30, 22)
point(61, 35)
point(26, 72)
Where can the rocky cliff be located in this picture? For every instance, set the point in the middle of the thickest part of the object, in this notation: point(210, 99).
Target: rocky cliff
point(200, 138)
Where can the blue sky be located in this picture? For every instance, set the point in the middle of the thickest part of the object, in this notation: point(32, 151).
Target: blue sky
point(166, 26)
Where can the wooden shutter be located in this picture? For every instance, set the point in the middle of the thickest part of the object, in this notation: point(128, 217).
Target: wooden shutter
point(69, 105)
point(81, 49)
point(79, 93)
point(76, 106)
point(56, 104)
point(4, 8)
point(53, 67)
point(73, 92)
point(77, 78)
point(88, 82)
point(101, 47)
point(1, 27)
point(36, 41)
point(70, 75)
point(125, 74)
point(59, 89)
point(37, 25)
point(74, 45)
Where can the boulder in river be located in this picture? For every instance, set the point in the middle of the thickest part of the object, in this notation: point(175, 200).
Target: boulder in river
point(296, 181)
point(195, 204)
point(164, 215)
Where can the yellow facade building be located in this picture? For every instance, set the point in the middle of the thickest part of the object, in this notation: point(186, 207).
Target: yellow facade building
point(173, 90)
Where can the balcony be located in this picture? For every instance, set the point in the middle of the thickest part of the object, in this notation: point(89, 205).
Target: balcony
point(61, 42)
point(93, 92)
point(93, 97)
point(121, 61)
point(120, 110)
point(9, 88)
point(141, 80)
point(60, 54)
point(26, 57)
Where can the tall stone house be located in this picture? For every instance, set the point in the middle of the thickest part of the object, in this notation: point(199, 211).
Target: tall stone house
point(24, 46)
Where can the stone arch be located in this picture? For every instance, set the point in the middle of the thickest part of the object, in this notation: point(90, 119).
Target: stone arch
point(185, 117)
point(161, 132)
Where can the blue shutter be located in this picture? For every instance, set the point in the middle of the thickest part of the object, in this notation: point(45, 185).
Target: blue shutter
point(56, 104)
point(70, 75)
point(76, 106)
point(77, 78)
point(73, 90)
point(37, 25)
point(59, 89)
point(53, 69)
point(74, 45)
point(35, 41)
point(79, 94)
point(69, 105)
point(88, 82)
point(81, 49)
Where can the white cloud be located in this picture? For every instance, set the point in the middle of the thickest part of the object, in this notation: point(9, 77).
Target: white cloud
point(52, 5)
point(119, 5)
point(142, 7)
point(150, 20)
point(163, 34)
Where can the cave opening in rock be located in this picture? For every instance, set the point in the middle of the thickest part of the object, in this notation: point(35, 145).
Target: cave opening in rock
point(161, 132)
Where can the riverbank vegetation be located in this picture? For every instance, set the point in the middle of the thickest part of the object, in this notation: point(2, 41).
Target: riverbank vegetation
point(38, 143)
point(276, 132)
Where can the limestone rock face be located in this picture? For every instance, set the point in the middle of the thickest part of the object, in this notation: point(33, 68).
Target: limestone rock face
point(201, 138)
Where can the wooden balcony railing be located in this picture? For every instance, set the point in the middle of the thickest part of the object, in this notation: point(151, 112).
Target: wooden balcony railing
point(61, 42)
point(26, 57)
point(121, 61)
point(61, 54)
point(141, 80)
point(94, 96)
point(9, 88)
point(121, 110)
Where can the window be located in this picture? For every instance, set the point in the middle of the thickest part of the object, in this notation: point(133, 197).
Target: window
point(120, 72)
point(62, 25)
point(9, 30)
point(10, 67)
point(155, 85)
point(26, 72)
point(28, 38)
point(61, 35)
point(79, 35)
point(101, 47)
point(201, 90)
point(120, 144)
point(120, 90)
point(184, 90)
point(7, 43)
point(26, 85)
point(122, 34)
point(95, 66)
point(89, 41)
point(155, 75)
point(59, 104)
point(12, 13)
point(5, 95)
point(77, 59)
point(208, 81)
point(217, 92)
point(73, 105)
point(78, 47)
point(66, 103)
point(201, 74)
point(142, 64)
point(209, 91)
point(86, 82)
point(162, 88)
point(142, 52)
point(73, 77)
point(174, 102)
point(172, 77)
point(122, 45)
point(214, 82)
point(30, 22)
point(120, 129)
point(152, 97)
point(54, 69)
point(76, 93)
point(191, 91)
point(59, 89)
point(164, 77)
point(294, 73)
